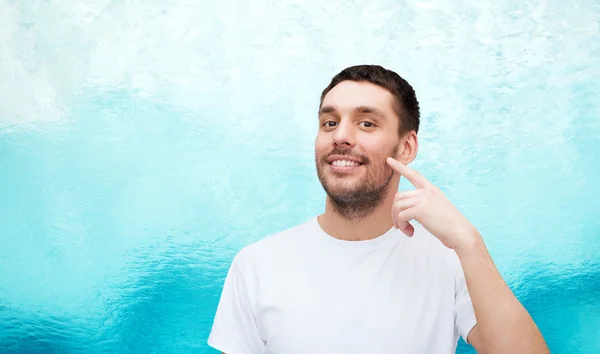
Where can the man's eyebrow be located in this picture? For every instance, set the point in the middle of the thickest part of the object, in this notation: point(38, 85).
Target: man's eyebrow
point(370, 110)
point(326, 110)
point(359, 109)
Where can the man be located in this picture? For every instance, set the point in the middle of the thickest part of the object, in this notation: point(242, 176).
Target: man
point(380, 271)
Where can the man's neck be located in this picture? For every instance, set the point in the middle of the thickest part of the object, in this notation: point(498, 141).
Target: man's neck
point(369, 227)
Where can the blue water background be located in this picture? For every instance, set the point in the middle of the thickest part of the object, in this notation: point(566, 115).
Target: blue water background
point(143, 143)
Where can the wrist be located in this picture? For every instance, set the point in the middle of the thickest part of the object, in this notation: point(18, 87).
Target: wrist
point(471, 241)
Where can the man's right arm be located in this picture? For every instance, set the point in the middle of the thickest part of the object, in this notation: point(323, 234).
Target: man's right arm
point(234, 328)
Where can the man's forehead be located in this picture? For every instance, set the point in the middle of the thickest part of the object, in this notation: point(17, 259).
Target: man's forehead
point(348, 95)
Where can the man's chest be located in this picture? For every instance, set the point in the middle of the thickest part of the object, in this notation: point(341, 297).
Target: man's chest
point(354, 313)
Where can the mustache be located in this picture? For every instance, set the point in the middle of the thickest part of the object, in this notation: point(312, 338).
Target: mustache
point(346, 152)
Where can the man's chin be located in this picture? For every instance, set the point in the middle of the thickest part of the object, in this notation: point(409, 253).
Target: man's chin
point(342, 194)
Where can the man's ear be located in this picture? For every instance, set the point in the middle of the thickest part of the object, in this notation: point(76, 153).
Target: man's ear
point(407, 150)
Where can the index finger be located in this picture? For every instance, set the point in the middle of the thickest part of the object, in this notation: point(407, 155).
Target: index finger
point(413, 176)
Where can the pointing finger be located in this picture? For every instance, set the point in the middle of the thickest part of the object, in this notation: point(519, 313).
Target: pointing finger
point(413, 176)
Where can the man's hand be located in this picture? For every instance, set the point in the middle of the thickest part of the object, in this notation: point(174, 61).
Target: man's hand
point(430, 207)
point(503, 324)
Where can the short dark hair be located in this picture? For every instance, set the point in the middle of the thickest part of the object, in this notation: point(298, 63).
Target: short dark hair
point(406, 104)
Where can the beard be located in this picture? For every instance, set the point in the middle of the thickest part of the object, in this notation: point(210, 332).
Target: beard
point(356, 199)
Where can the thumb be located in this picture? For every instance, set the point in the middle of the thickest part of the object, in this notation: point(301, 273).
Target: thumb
point(406, 228)
point(401, 220)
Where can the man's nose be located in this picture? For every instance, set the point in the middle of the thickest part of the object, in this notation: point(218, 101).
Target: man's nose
point(344, 134)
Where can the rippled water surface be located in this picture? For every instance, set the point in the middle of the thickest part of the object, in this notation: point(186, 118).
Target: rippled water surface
point(143, 143)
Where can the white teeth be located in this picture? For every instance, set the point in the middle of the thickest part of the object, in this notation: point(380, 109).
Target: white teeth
point(344, 163)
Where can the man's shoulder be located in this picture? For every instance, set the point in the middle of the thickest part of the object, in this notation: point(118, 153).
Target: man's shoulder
point(283, 241)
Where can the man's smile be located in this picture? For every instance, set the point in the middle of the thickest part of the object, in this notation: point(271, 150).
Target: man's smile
point(343, 164)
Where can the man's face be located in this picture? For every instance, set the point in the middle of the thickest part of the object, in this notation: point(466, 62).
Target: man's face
point(358, 130)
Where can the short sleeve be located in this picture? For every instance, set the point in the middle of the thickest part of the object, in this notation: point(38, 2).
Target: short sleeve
point(464, 315)
point(234, 329)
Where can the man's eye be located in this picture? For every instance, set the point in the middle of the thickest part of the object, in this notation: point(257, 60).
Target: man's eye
point(329, 123)
point(368, 124)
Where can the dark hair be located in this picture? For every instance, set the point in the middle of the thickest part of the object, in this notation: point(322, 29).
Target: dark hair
point(405, 105)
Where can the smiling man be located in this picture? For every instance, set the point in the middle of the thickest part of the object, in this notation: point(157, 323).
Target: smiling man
point(380, 271)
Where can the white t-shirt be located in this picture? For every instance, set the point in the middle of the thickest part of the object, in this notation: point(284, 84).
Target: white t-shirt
point(302, 291)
